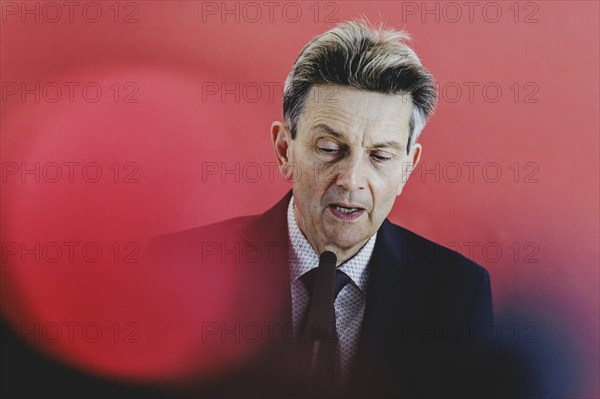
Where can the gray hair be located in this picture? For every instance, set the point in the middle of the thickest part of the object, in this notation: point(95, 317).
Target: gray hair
point(358, 55)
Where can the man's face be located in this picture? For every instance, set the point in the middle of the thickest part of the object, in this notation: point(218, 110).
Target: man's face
point(346, 164)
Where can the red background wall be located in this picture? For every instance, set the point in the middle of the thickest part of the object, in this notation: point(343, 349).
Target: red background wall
point(198, 87)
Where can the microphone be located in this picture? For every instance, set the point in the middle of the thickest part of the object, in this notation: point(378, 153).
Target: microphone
point(321, 316)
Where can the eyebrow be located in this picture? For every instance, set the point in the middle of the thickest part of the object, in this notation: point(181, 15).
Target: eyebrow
point(327, 129)
point(333, 132)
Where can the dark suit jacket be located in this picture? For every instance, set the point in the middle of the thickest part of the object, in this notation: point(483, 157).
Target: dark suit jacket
point(425, 312)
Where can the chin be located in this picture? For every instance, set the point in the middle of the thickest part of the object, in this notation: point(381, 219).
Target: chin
point(347, 241)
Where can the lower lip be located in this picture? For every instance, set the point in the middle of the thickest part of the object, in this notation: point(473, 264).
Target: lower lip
point(346, 216)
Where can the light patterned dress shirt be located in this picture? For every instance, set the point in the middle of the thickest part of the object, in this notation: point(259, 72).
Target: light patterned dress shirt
point(350, 302)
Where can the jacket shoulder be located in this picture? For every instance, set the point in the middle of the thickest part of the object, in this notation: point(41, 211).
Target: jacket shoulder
point(227, 231)
point(456, 283)
point(413, 247)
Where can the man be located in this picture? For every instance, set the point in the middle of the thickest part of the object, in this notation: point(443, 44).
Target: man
point(354, 105)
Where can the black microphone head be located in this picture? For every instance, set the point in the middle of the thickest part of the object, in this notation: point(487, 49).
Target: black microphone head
point(328, 257)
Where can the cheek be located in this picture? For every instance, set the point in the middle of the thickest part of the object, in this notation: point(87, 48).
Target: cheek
point(394, 182)
point(316, 179)
point(385, 195)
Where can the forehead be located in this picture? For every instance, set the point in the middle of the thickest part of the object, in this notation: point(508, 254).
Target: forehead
point(353, 112)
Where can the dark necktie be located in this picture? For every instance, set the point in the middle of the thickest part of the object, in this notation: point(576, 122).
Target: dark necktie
point(319, 336)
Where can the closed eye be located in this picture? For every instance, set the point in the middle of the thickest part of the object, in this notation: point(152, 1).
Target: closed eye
point(381, 156)
point(327, 146)
point(329, 150)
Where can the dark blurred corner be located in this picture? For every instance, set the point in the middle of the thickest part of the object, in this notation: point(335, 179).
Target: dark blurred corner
point(541, 363)
point(26, 373)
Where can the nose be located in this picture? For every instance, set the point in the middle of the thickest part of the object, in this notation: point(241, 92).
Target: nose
point(353, 173)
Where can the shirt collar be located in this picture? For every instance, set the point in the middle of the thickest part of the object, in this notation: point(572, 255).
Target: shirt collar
point(304, 258)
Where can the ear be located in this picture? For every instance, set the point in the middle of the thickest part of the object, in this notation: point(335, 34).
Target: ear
point(412, 159)
point(415, 154)
point(281, 138)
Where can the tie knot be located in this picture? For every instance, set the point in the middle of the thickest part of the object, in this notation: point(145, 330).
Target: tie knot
point(341, 279)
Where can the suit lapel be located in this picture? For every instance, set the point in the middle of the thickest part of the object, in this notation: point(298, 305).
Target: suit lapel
point(394, 307)
point(270, 279)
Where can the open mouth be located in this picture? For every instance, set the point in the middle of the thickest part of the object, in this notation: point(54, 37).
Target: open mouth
point(346, 212)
